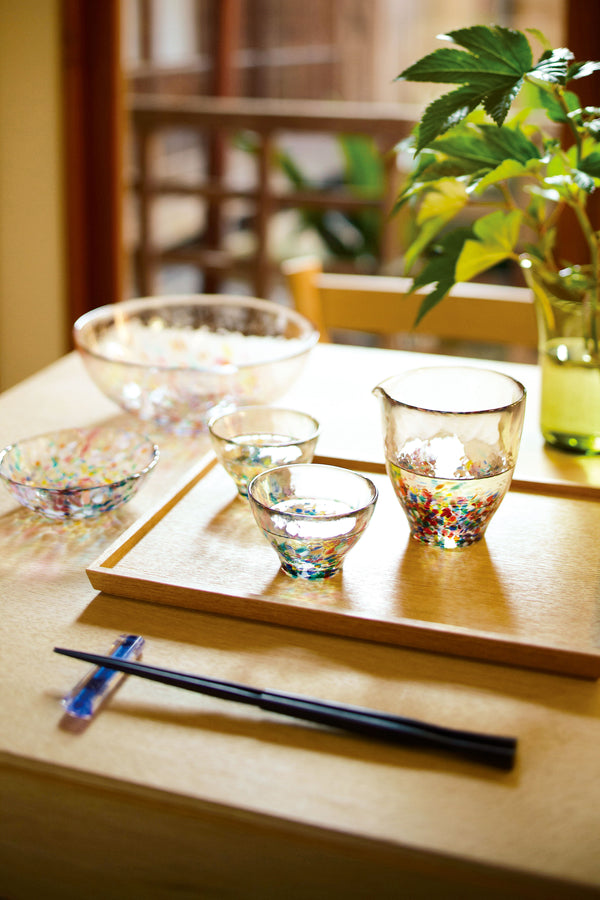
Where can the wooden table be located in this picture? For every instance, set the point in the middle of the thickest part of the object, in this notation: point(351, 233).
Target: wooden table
point(168, 794)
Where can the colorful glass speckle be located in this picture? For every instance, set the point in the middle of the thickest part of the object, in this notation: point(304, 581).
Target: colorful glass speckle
point(300, 513)
point(448, 512)
point(451, 439)
point(77, 473)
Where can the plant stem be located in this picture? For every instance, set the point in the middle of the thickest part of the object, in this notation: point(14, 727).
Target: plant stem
point(590, 236)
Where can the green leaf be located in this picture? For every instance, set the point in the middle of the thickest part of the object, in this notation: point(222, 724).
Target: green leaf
point(498, 102)
point(451, 167)
point(469, 144)
point(591, 164)
point(510, 143)
point(550, 102)
point(553, 67)
point(426, 235)
point(582, 69)
point(508, 48)
point(449, 66)
point(499, 228)
point(432, 299)
point(471, 150)
point(439, 270)
point(364, 171)
point(490, 68)
point(497, 235)
point(588, 119)
point(292, 171)
point(509, 168)
point(445, 201)
point(445, 112)
point(476, 258)
point(584, 181)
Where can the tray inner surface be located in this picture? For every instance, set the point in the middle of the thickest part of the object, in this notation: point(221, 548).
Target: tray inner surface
point(528, 594)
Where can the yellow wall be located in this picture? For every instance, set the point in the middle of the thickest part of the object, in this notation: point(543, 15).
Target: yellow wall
point(32, 278)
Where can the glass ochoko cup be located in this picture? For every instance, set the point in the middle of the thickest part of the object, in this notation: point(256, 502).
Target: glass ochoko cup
point(251, 439)
point(451, 439)
point(312, 515)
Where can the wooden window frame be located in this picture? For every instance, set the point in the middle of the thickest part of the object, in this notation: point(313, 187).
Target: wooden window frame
point(94, 136)
point(93, 152)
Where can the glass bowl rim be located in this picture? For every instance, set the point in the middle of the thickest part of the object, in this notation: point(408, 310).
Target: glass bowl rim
point(137, 304)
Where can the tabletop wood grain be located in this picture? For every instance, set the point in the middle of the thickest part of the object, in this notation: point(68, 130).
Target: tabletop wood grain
point(166, 794)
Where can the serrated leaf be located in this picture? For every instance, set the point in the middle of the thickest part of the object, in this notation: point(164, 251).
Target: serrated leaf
point(553, 66)
point(509, 142)
point(451, 167)
point(449, 66)
point(582, 69)
point(469, 145)
point(474, 151)
point(445, 112)
point(507, 47)
point(498, 103)
point(490, 68)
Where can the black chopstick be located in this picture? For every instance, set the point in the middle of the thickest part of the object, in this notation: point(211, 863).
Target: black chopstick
point(494, 750)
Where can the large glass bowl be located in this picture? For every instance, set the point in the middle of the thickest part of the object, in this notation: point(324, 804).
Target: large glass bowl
point(177, 360)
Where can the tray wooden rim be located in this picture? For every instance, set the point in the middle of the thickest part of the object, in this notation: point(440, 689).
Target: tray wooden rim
point(415, 634)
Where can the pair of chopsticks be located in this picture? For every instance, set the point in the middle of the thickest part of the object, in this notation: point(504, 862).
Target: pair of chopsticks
point(494, 750)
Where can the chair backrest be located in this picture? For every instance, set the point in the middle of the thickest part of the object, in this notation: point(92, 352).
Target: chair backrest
point(473, 312)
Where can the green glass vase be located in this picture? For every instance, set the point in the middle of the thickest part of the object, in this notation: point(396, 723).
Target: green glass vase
point(569, 328)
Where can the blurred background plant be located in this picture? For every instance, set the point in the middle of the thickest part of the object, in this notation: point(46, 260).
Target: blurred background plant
point(344, 234)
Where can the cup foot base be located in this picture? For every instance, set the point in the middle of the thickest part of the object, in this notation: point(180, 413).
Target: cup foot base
point(309, 574)
point(447, 543)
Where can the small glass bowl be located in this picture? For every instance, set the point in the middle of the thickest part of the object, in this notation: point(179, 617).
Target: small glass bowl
point(77, 473)
point(252, 439)
point(312, 515)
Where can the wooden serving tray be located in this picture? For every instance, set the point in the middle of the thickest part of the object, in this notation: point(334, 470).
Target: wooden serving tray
point(526, 595)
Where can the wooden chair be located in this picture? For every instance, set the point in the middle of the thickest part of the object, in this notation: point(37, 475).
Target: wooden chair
point(475, 313)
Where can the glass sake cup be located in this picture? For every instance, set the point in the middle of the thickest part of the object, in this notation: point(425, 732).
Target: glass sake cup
point(451, 438)
point(252, 439)
point(312, 515)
